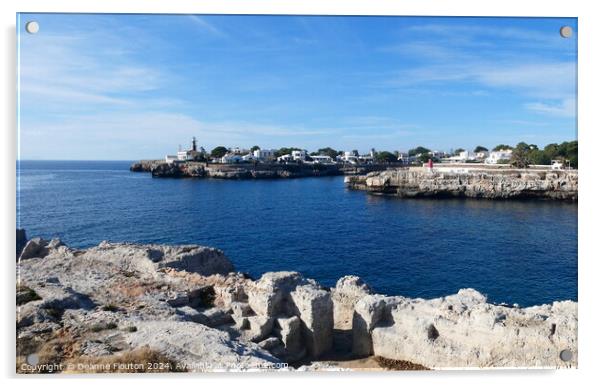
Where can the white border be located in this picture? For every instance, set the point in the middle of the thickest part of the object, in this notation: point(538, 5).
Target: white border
point(589, 208)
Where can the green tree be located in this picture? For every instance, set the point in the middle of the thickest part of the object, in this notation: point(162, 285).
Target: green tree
point(458, 151)
point(425, 157)
point(418, 150)
point(218, 152)
point(254, 148)
point(480, 148)
point(539, 157)
point(569, 150)
point(520, 156)
point(385, 157)
point(501, 147)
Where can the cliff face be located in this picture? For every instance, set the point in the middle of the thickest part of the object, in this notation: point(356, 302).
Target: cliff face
point(506, 184)
point(159, 168)
point(188, 306)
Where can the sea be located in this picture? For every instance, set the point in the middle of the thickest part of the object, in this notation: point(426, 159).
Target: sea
point(522, 252)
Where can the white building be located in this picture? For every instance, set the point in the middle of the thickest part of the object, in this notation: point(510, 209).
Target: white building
point(557, 164)
point(231, 158)
point(349, 157)
point(437, 154)
point(496, 156)
point(170, 159)
point(249, 157)
point(299, 155)
point(285, 158)
point(321, 159)
point(264, 154)
point(481, 155)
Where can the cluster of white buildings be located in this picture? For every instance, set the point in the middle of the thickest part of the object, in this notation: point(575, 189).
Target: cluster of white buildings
point(239, 155)
point(191, 154)
point(493, 157)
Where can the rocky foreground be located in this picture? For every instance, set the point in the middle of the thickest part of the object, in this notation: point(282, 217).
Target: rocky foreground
point(121, 307)
point(489, 184)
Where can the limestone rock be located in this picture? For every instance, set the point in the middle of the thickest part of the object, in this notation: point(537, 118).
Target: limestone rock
point(314, 307)
point(464, 331)
point(270, 343)
point(348, 291)
point(260, 327)
point(34, 248)
point(268, 296)
point(370, 311)
point(149, 258)
point(474, 183)
point(289, 332)
point(197, 347)
point(241, 309)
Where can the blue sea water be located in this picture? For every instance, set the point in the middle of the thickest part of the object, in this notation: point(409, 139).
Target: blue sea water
point(521, 252)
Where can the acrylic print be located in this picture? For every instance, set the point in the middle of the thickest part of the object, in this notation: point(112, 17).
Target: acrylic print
point(223, 193)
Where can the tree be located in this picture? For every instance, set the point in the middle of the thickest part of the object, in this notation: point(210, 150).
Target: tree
point(501, 147)
point(254, 148)
point(218, 152)
point(520, 156)
point(424, 157)
point(385, 157)
point(539, 157)
point(480, 148)
point(418, 150)
point(458, 151)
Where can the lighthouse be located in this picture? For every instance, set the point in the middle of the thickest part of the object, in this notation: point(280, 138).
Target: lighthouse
point(194, 144)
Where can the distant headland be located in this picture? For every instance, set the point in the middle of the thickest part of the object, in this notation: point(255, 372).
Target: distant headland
point(291, 162)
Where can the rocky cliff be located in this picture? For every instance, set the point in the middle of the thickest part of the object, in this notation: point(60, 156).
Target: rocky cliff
point(159, 168)
point(489, 184)
point(185, 307)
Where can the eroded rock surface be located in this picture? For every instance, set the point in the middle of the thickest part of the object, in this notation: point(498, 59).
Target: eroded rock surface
point(463, 330)
point(507, 184)
point(187, 303)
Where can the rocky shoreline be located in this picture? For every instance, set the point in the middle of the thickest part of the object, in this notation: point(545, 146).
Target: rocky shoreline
point(187, 309)
point(159, 168)
point(474, 183)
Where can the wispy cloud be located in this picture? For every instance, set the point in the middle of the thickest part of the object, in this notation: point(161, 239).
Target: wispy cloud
point(206, 26)
point(566, 108)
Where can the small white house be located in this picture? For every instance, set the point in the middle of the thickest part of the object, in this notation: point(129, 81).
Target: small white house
point(249, 157)
point(285, 158)
point(264, 154)
point(299, 155)
point(496, 156)
point(231, 158)
point(321, 159)
point(557, 164)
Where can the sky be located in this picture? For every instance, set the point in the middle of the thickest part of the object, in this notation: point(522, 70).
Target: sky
point(128, 87)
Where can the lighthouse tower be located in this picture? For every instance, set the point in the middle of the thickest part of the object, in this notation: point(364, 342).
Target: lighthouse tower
point(194, 144)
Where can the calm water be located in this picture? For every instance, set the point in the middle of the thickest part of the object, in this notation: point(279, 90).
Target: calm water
point(523, 252)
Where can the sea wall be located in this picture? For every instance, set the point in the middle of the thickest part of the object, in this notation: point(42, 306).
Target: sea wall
point(250, 170)
point(489, 184)
point(189, 306)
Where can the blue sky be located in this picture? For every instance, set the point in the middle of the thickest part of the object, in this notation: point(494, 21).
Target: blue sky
point(127, 87)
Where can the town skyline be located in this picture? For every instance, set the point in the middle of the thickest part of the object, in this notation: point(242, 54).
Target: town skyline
point(109, 87)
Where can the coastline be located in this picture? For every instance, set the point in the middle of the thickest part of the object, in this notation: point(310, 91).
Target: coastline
point(448, 182)
point(240, 171)
point(183, 301)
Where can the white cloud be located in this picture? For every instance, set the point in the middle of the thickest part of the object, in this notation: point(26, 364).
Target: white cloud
point(566, 108)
